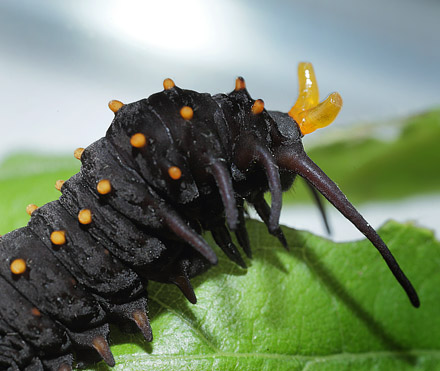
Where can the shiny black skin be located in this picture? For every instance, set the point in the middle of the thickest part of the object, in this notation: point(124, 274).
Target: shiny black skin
point(149, 226)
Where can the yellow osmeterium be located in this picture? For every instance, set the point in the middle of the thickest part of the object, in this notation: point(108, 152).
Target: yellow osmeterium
point(115, 105)
point(186, 112)
point(85, 216)
point(18, 266)
point(58, 238)
point(307, 112)
point(104, 187)
point(320, 116)
point(138, 140)
point(168, 84)
point(308, 92)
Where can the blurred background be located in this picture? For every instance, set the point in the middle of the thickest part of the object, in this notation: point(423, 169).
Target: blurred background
point(61, 62)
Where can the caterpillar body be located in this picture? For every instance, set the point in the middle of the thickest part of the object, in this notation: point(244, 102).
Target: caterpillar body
point(169, 168)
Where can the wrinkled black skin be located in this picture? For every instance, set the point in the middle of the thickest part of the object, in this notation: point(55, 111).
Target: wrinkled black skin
point(147, 228)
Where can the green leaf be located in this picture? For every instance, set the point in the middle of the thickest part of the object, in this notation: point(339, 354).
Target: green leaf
point(323, 305)
point(26, 179)
point(320, 306)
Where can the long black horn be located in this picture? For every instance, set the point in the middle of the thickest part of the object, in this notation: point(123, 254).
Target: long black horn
point(301, 164)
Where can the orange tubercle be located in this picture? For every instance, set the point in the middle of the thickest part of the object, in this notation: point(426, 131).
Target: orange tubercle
point(59, 184)
point(35, 312)
point(174, 172)
point(138, 140)
point(168, 84)
point(115, 105)
point(240, 84)
point(18, 266)
point(257, 107)
point(58, 237)
point(85, 216)
point(186, 112)
point(104, 187)
point(78, 152)
point(31, 208)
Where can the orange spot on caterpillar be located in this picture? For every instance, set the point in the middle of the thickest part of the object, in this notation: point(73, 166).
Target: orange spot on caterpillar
point(58, 237)
point(104, 187)
point(138, 140)
point(31, 208)
point(240, 84)
point(168, 84)
point(35, 312)
point(257, 107)
point(18, 266)
point(174, 172)
point(78, 152)
point(85, 216)
point(115, 105)
point(186, 112)
point(59, 184)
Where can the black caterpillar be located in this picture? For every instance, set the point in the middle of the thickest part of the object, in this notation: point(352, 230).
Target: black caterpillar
point(170, 167)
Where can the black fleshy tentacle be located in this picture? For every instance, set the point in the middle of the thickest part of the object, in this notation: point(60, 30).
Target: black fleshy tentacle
point(266, 159)
point(305, 167)
point(224, 182)
point(176, 224)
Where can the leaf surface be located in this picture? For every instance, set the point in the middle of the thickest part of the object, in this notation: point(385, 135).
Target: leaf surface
point(323, 305)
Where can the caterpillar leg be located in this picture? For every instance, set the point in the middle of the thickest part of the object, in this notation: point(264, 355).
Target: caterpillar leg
point(241, 232)
point(94, 341)
point(223, 239)
point(132, 315)
point(263, 210)
point(181, 280)
point(63, 363)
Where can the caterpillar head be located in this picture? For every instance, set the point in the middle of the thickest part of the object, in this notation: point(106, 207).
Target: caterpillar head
point(304, 117)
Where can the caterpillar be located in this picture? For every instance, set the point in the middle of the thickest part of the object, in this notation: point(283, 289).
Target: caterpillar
point(169, 168)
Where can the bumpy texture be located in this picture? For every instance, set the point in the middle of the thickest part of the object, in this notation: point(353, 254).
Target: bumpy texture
point(160, 177)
